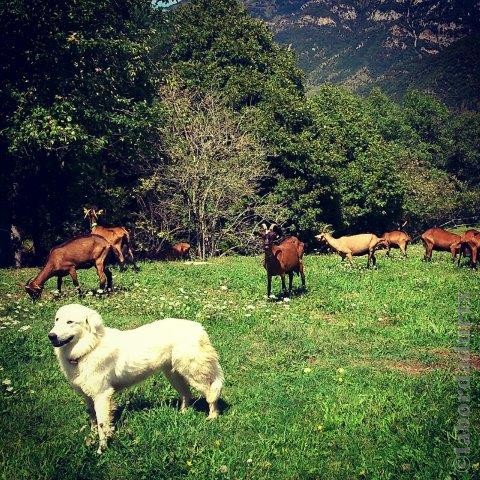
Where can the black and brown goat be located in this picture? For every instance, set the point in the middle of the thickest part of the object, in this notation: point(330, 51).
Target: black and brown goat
point(78, 253)
point(284, 258)
point(118, 237)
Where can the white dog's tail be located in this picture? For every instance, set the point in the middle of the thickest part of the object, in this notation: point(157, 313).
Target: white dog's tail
point(215, 389)
point(199, 365)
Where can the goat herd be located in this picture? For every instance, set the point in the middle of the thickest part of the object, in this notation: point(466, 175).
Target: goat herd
point(282, 256)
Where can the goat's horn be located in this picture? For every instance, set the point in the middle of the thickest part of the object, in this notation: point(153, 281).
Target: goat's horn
point(272, 226)
point(264, 226)
point(404, 223)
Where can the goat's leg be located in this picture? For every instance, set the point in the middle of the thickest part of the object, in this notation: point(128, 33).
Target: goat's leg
point(453, 251)
point(269, 285)
point(59, 284)
point(108, 274)
point(120, 257)
point(403, 249)
point(302, 274)
point(388, 249)
point(136, 268)
point(103, 412)
point(428, 251)
point(373, 258)
point(101, 274)
point(350, 258)
point(473, 256)
point(460, 253)
point(73, 274)
point(284, 285)
point(290, 281)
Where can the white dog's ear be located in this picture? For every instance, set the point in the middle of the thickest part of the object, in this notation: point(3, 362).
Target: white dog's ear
point(94, 322)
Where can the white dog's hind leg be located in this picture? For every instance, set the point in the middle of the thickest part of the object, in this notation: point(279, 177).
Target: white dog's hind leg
point(213, 395)
point(103, 411)
point(181, 386)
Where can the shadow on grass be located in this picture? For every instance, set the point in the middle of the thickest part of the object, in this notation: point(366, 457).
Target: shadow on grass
point(139, 404)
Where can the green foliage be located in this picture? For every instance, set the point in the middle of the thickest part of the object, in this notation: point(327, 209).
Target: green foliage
point(75, 102)
point(215, 45)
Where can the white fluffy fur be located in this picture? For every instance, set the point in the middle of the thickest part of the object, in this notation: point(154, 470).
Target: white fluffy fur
point(98, 360)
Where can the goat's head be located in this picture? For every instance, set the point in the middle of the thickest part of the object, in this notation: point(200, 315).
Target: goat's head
point(33, 289)
point(92, 214)
point(269, 235)
point(322, 236)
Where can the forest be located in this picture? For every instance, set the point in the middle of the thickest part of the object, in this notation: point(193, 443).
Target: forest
point(192, 124)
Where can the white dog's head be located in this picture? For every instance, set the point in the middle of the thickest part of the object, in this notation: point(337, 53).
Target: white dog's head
point(73, 323)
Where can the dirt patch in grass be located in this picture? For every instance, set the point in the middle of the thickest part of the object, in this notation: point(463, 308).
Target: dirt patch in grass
point(475, 362)
point(411, 368)
point(450, 358)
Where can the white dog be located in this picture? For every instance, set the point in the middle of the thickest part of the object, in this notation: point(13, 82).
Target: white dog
point(98, 360)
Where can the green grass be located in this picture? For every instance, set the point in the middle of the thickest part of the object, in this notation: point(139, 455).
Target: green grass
point(353, 380)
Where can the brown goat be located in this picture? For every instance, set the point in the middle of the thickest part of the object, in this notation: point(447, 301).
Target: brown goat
point(79, 253)
point(397, 239)
point(469, 241)
point(440, 240)
point(285, 258)
point(118, 237)
point(179, 250)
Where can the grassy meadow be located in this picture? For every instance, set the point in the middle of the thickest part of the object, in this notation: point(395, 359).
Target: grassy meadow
point(354, 379)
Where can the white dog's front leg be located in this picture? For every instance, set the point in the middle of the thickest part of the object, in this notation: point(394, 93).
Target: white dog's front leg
point(103, 410)
point(91, 413)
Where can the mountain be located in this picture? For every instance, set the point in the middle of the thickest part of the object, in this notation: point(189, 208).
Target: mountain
point(396, 44)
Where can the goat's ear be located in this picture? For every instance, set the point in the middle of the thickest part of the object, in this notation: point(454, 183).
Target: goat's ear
point(101, 211)
point(85, 211)
point(94, 322)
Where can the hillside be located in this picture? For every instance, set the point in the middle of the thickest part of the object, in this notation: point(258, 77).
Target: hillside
point(392, 43)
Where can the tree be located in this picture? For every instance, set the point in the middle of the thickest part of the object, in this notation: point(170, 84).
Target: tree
point(206, 187)
point(74, 99)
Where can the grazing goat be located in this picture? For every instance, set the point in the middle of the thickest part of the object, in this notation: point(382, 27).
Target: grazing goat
point(398, 239)
point(285, 258)
point(65, 259)
point(118, 237)
point(469, 241)
point(440, 240)
point(179, 250)
point(354, 245)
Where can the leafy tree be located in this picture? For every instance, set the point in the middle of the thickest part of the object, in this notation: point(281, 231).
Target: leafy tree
point(206, 189)
point(367, 184)
point(75, 101)
point(464, 156)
